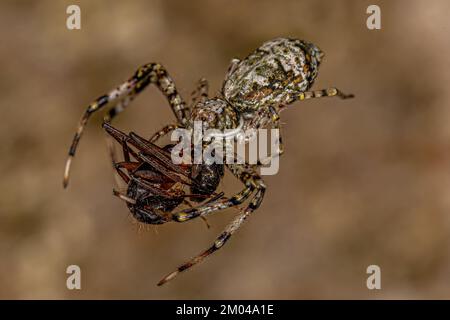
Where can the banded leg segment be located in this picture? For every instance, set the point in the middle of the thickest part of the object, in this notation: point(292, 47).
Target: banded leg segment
point(232, 67)
point(248, 176)
point(161, 133)
point(210, 208)
point(152, 73)
point(224, 236)
point(329, 92)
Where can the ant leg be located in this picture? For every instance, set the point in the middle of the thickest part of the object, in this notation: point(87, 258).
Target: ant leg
point(232, 67)
point(265, 116)
point(127, 165)
point(223, 237)
point(152, 73)
point(203, 218)
point(158, 135)
point(275, 119)
point(127, 151)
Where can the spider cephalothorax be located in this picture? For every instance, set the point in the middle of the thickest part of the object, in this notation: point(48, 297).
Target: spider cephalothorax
point(255, 90)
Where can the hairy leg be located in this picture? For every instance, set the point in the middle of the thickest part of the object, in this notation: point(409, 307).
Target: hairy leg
point(120, 97)
point(227, 233)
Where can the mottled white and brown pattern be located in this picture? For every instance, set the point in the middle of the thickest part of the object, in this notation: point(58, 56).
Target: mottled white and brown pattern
point(274, 74)
point(255, 90)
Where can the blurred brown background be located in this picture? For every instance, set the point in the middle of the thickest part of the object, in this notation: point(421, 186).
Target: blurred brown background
point(363, 181)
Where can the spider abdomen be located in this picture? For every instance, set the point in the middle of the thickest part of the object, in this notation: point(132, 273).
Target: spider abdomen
point(272, 75)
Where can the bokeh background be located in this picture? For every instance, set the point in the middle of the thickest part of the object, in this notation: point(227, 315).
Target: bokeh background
point(363, 181)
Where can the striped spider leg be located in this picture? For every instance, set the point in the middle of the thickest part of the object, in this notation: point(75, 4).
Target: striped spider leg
point(120, 97)
point(272, 113)
point(200, 94)
point(253, 184)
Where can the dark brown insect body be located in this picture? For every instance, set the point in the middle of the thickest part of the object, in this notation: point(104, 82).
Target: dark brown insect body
point(147, 206)
point(156, 187)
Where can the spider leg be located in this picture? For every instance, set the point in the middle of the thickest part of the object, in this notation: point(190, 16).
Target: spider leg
point(152, 73)
point(210, 208)
point(223, 237)
point(203, 218)
point(248, 176)
point(200, 94)
point(145, 179)
point(158, 135)
point(329, 92)
point(212, 199)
